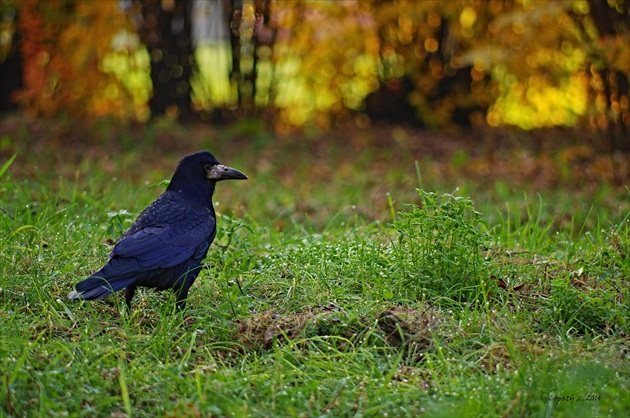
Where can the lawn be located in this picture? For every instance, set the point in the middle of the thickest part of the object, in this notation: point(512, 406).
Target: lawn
point(382, 272)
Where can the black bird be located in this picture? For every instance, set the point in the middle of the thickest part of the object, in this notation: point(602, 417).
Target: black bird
point(166, 244)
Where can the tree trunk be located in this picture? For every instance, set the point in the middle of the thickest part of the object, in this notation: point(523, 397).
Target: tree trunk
point(166, 31)
point(610, 23)
point(11, 70)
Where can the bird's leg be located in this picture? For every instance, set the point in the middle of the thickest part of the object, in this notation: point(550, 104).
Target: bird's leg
point(129, 291)
point(182, 290)
point(182, 295)
point(180, 304)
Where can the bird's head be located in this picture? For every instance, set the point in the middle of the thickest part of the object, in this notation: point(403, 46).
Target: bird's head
point(202, 167)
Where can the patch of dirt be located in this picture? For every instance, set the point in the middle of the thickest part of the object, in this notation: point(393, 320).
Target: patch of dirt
point(264, 328)
point(404, 328)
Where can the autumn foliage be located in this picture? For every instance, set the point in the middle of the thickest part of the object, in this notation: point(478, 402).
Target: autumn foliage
point(64, 44)
point(430, 63)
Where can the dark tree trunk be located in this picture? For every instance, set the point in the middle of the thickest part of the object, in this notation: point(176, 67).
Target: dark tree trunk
point(11, 70)
point(611, 23)
point(233, 8)
point(167, 35)
point(245, 40)
point(265, 35)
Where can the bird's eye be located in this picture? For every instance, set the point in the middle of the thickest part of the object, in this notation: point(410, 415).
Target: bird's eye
point(207, 167)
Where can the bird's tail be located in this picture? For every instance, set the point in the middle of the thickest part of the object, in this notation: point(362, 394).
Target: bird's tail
point(96, 286)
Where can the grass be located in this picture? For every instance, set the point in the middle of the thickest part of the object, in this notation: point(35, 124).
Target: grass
point(334, 288)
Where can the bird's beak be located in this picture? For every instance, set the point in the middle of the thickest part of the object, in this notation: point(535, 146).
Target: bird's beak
point(222, 172)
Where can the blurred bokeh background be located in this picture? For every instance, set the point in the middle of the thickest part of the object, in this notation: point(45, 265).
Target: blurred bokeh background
point(427, 64)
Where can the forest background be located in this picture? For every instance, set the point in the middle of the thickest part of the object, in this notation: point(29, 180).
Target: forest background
point(431, 64)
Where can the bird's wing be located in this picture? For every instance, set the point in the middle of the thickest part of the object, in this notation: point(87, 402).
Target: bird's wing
point(165, 246)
